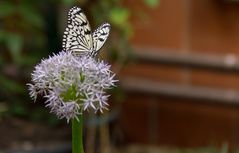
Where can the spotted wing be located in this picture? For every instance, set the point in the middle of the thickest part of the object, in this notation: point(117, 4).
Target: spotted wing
point(99, 36)
point(77, 37)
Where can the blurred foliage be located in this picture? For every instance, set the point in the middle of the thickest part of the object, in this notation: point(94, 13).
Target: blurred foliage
point(29, 30)
point(222, 149)
point(152, 3)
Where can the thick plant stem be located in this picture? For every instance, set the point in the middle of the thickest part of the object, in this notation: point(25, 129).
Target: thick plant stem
point(77, 135)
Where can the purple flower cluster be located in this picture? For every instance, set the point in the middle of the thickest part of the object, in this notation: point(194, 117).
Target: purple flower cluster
point(72, 84)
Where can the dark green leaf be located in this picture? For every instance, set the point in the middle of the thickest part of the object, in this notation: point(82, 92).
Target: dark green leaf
point(14, 43)
point(2, 35)
point(11, 85)
point(152, 3)
point(19, 109)
point(30, 15)
point(6, 9)
point(53, 120)
point(68, 2)
point(28, 60)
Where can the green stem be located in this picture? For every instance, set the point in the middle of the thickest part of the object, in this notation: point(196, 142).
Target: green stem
point(77, 135)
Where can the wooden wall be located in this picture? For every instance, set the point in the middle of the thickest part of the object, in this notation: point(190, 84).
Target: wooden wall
point(205, 27)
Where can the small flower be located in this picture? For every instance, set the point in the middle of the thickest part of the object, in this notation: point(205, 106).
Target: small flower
point(72, 84)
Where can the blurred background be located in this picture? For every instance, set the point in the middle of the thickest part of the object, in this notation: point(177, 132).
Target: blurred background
point(177, 62)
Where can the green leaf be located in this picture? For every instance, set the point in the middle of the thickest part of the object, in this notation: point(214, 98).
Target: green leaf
point(14, 43)
point(152, 3)
point(119, 16)
point(2, 35)
point(19, 109)
point(6, 9)
point(38, 114)
point(53, 120)
point(68, 2)
point(27, 60)
point(10, 86)
point(30, 15)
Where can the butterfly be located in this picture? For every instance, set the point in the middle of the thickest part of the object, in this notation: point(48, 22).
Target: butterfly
point(78, 37)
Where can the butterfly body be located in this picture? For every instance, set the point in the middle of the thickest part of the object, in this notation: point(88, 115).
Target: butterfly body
point(78, 37)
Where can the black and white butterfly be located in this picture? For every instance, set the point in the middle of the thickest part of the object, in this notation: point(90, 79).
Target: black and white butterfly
point(78, 37)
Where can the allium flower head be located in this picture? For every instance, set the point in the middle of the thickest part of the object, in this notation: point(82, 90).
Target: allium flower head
point(72, 84)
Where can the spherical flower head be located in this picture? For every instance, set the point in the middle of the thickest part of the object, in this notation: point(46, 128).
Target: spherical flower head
point(72, 84)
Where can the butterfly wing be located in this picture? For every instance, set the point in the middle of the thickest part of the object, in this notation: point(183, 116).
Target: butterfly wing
point(99, 37)
point(77, 37)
